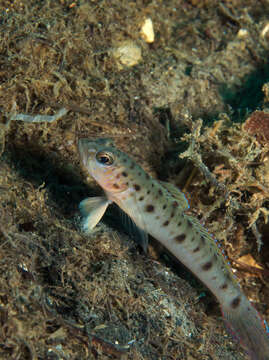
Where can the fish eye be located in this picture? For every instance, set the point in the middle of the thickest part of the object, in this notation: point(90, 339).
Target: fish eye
point(104, 158)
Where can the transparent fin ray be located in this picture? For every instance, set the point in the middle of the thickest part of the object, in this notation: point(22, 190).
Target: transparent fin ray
point(140, 236)
point(177, 194)
point(93, 209)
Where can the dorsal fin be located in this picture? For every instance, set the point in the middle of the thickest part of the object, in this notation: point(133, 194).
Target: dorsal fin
point(176, 193)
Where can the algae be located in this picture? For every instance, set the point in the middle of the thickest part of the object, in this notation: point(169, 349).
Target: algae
point(64, 295)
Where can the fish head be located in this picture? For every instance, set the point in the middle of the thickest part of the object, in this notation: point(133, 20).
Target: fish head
point(105, 163)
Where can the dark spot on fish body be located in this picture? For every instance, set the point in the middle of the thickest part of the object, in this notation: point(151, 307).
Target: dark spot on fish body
point(224, 286)
point(236, 302)
point(201, 243)
point(175, 204)
point(141, 198)
point(179, 224)
point(189, 223)
point(166, 223)
point(160, 192)
point(127, 184)
point(180, 238)
point(172, 214)
point(229, 276)
point(207, 266)
point(196, 249)
point(137, 187)
point(215, 257)
point(164, 206)
point(124, 174)
point(149, 208)
point(115, 186)
point(148, 192)
point(147, 176)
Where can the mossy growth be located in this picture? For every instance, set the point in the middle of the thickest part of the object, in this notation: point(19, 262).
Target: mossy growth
point(67, 295)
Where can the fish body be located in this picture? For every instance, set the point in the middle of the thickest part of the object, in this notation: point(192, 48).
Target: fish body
point(159, 209)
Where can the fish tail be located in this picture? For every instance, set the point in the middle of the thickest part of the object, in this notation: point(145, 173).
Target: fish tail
point(247, 326)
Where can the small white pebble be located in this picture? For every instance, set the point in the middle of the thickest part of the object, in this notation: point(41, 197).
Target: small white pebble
point(128, 53)
point(147, 31)
point(24, 267)
point(242, 33)
point(265, 30)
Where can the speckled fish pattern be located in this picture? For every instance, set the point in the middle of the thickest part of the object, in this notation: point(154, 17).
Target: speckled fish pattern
point(156, 210)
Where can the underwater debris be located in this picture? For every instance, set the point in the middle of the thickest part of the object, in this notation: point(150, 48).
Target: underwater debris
point(112, 348)
point(26, 118)
point(39, 118)
point(250, 265)
point(3, 128)
point(264, 32)
point(257, 235)
point(192, 153)
point(128, 53)
point(147, 31)
point(258, 124)
point(242, 33)
point(240, 169)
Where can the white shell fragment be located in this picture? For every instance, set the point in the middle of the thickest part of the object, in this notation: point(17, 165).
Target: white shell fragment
point(128, 53)
point(265, 30)
point(39, 118)
point(147, 31)
point(242, 33)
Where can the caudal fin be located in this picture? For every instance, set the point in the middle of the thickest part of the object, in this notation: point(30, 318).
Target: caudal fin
point(247, 326)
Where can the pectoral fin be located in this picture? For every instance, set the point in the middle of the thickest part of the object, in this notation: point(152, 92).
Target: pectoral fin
point(93, 209)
